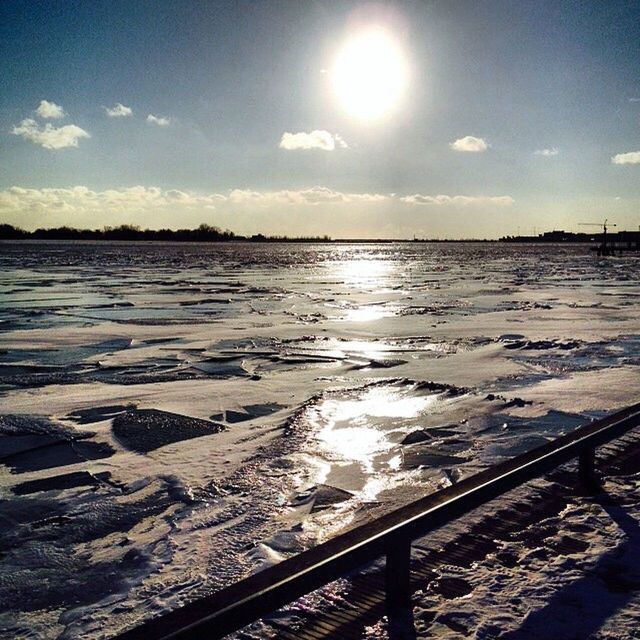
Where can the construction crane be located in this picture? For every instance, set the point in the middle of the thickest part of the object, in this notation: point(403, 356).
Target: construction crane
point(603, 250)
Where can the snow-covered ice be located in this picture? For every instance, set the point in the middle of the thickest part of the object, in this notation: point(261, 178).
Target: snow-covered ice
point(175, 417)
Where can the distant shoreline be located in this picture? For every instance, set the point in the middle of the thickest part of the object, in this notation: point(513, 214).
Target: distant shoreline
point(209, 234)
point(241, 240)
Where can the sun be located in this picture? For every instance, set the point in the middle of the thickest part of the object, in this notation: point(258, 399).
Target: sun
point(369, 74)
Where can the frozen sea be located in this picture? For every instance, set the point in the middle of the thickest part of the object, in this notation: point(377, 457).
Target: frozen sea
point(174, 417)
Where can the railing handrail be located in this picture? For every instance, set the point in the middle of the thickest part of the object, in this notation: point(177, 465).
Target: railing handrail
point(257, 595)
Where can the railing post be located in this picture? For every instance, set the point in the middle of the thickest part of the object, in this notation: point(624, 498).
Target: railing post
point(587, 470)
point(398, 574)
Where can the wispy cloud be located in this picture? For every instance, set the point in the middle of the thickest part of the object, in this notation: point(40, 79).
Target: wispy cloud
point(419, 199)
point(634, 99)
point(161, 121)
point(119, 111)
point(50, 110)
point(317, 139)
point(469, 144)
point(631, 157)
point(48, 136)
point(547, 153)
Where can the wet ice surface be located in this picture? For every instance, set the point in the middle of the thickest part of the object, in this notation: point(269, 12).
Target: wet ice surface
point(175, 417)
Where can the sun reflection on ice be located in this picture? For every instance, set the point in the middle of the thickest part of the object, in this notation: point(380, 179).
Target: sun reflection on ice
point(378, 402)
point(357, 446)
point(395, 462)
point(371, 278)
point(355, 443)
point(365, 274)
point(364, 348)
point(348, 433)
point(367, 313)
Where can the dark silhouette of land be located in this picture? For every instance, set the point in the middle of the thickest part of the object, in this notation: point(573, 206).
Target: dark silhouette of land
point(621, 241)
point(203, 233)
point(607, 243)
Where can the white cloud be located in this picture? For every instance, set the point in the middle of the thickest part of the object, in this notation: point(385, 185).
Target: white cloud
point(316, 210)
point(419, 199)
point(119, 111)
point(311, 196)
point(547, 153)
point(48, 136)
point(340, 141)
point(634, 99)
point(470, 144)
point(83, 201)
point(632, 157)
point(368, 197)
point(310, 211)
point(50, 110)
point(161, 121)
point(140, 199)
point(317, 139)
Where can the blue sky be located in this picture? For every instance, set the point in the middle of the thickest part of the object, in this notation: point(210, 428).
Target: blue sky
point(541, 97)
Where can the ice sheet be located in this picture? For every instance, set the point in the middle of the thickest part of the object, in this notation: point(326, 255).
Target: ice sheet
point(185, 415)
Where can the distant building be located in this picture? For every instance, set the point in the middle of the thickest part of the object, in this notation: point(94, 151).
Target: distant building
point(620, 241)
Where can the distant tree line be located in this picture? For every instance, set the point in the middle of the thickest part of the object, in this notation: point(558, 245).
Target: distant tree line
point(203, 233)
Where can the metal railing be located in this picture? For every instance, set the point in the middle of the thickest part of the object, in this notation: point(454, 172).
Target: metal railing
point(390, 535)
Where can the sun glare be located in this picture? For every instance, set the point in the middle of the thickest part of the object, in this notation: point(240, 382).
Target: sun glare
point(369, 74)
